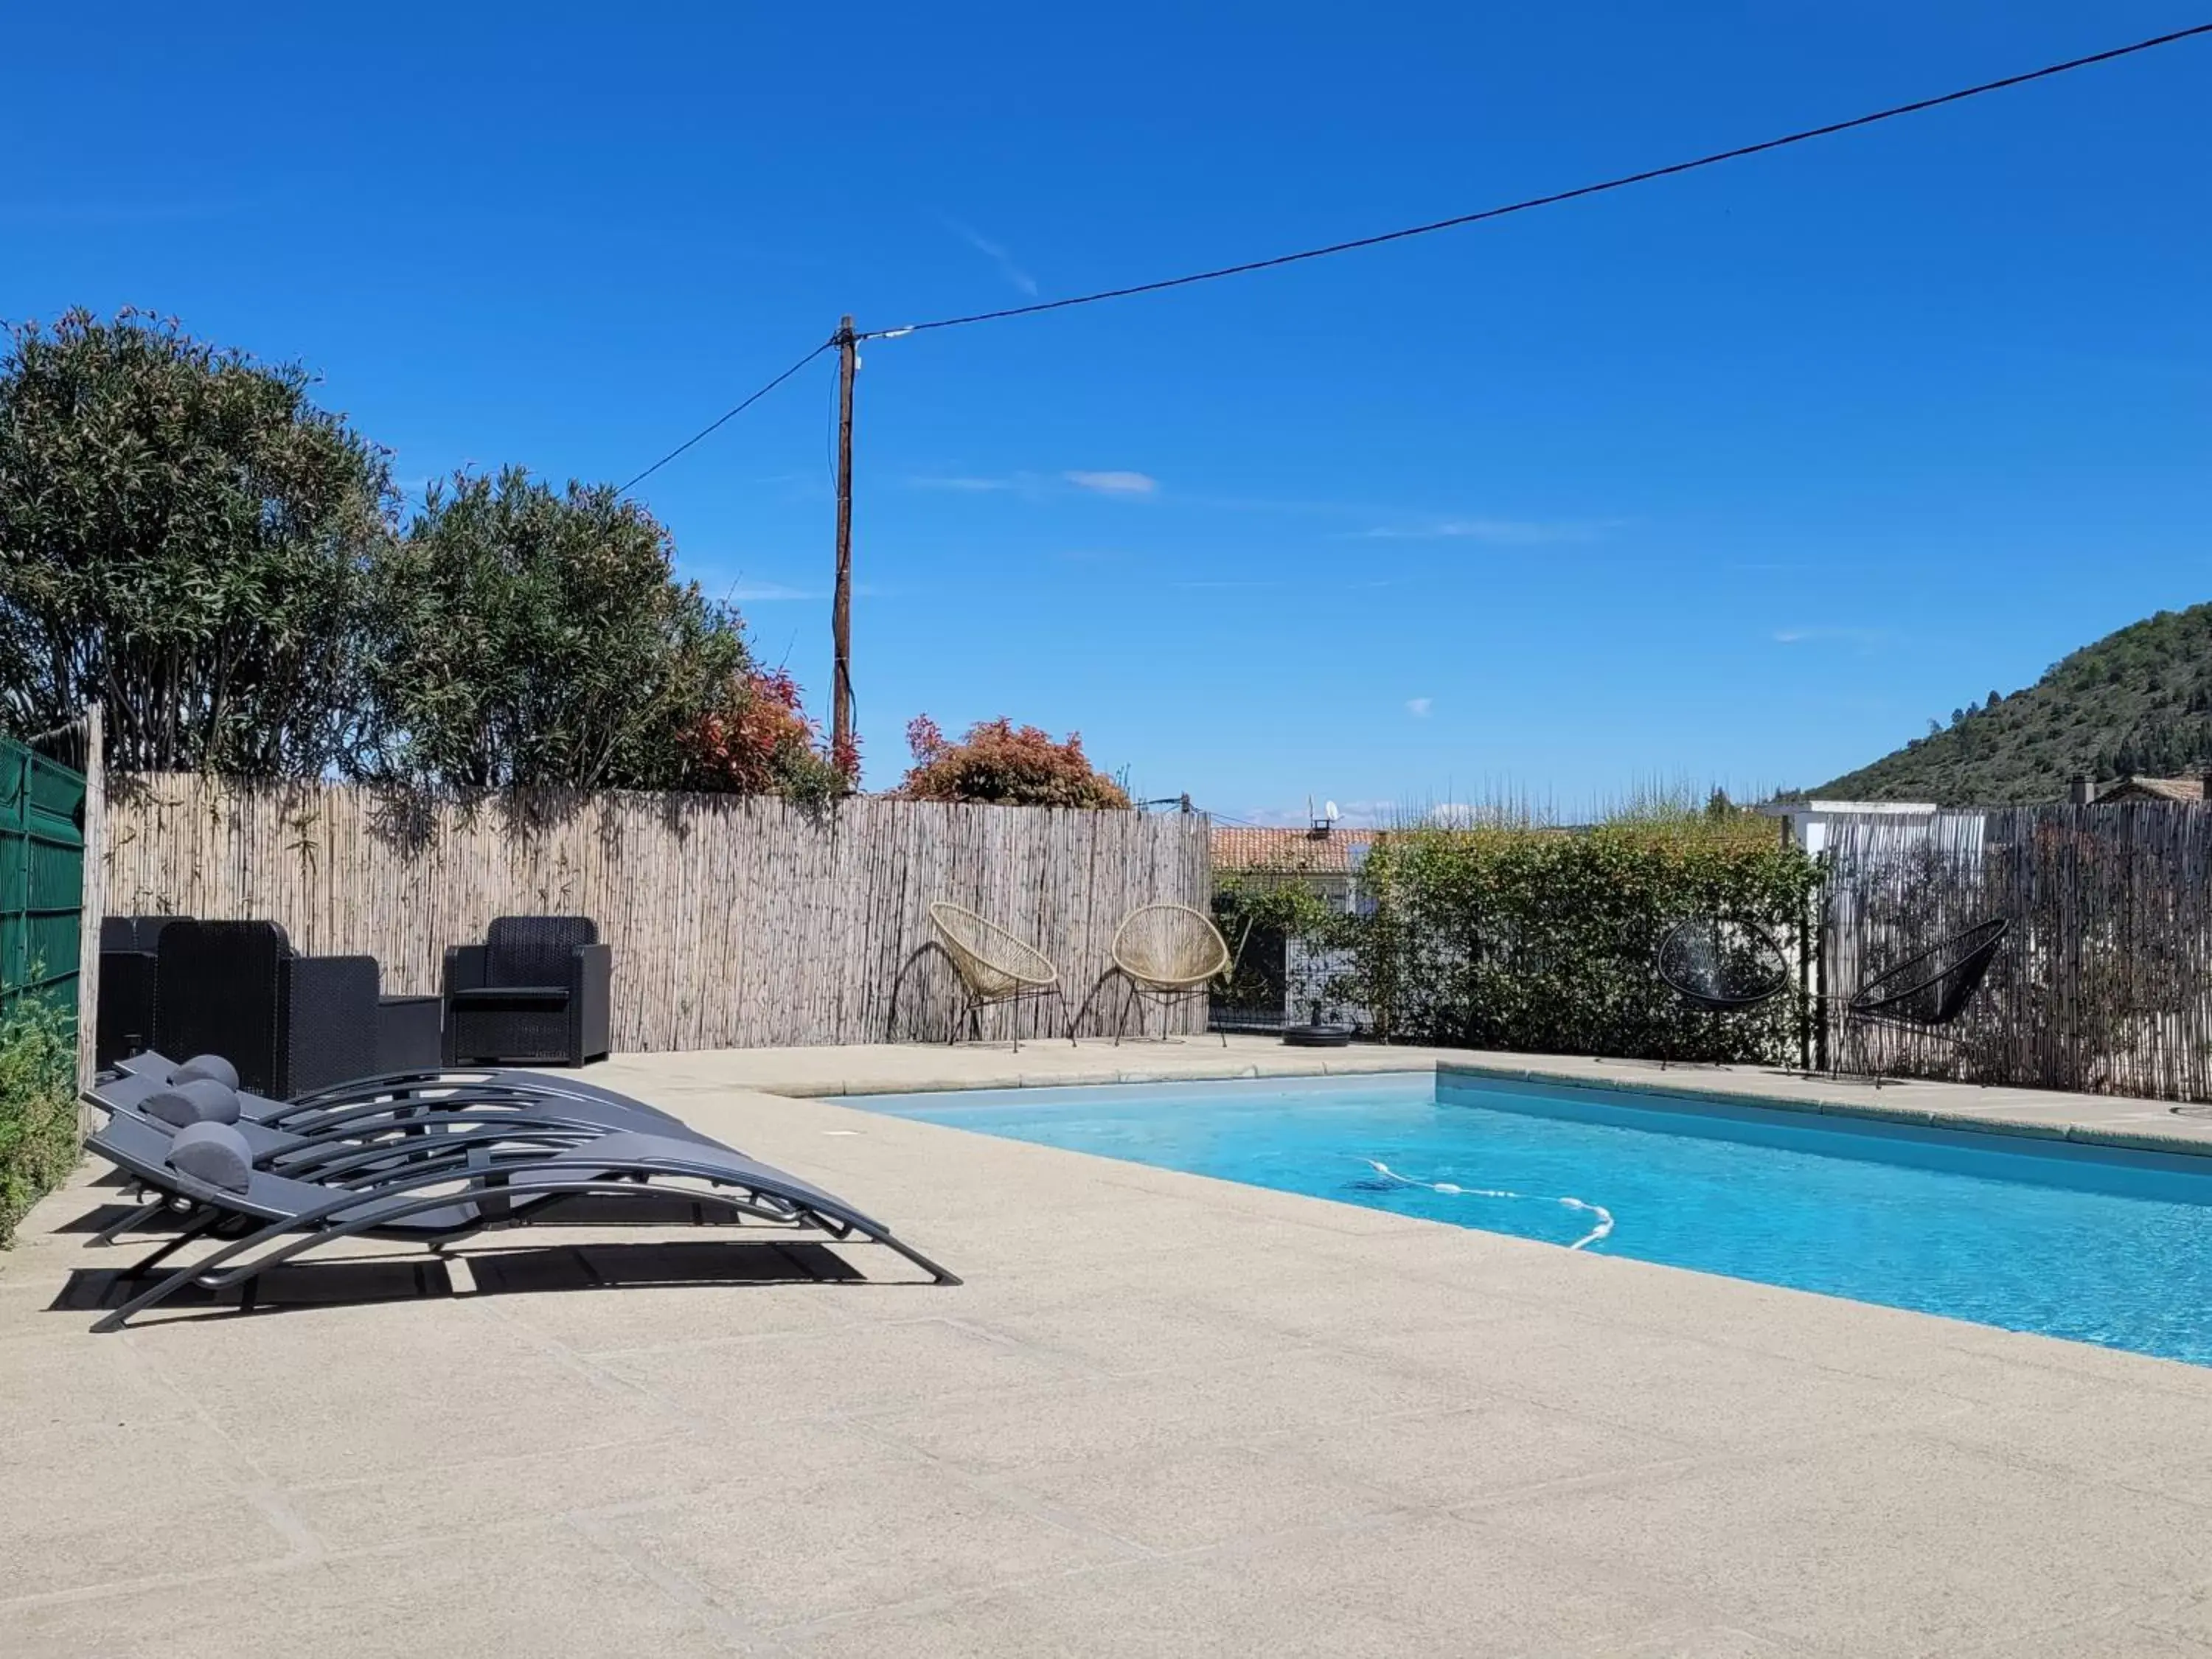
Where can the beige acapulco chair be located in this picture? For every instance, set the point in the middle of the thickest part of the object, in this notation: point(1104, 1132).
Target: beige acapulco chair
point(1167, 952)
point(993, 967)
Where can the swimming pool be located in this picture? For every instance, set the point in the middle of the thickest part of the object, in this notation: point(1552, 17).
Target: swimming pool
point(2100, 1245)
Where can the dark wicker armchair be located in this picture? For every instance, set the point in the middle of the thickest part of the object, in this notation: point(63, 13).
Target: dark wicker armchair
point(537, 991)
point(288, 1022)
point(124, 1022)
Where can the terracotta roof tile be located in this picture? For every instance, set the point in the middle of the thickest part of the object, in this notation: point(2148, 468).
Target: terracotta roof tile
point(1237, 847)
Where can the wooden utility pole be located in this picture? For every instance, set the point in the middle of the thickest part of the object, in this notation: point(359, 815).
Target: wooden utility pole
point(841, 605)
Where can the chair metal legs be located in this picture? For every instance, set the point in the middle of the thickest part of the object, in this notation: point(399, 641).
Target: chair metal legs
point(971, 1015)
point(1139, 994)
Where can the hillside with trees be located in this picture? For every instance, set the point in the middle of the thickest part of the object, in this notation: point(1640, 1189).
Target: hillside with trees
point(2137, 701)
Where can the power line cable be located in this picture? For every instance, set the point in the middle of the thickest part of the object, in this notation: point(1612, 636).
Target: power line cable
point(727, 415)
point(1355, 244)
point(1623, 182)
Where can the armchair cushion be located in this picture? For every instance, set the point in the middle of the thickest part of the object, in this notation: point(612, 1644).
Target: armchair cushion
point(513, 996)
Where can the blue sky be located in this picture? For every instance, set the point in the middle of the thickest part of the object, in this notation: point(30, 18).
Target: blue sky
point(1742, 476)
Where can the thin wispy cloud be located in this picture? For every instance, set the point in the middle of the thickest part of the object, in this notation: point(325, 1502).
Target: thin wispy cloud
point(1115, 483)
point(1832, 635)
point(997, 255)
point(1231, 582)
point(1097, 481)
point(970, 485)
point(1419, 707)
point(768, 594)
point(1495, 533)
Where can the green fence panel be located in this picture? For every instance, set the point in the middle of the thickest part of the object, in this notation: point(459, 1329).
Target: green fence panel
point(41, 876)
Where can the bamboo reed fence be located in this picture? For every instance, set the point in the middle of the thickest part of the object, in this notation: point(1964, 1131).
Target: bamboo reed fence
point(735, 923)
point(2104, 983)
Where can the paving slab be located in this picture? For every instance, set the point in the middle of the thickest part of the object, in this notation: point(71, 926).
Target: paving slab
point(1164, 1415)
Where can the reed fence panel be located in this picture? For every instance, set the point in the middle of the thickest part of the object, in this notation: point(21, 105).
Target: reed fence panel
point(2104, 983)
point(735, 923)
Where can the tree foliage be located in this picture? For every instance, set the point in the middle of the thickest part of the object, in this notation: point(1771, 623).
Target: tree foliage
point(183, 537)
point(521, 635)
point(999, 761)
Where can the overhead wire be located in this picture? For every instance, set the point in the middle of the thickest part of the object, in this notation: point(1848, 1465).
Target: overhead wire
point(1673, 169)
point(727, 415)
point(1623, 181)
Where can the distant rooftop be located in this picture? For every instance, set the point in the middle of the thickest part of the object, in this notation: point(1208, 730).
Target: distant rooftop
point(1304, 852)
point(1784, 809)
point(2135, 788)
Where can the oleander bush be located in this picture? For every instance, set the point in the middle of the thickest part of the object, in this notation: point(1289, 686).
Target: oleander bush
point(38, 1106)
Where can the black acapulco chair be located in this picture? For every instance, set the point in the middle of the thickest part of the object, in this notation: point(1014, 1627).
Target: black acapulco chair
point(1722, 966)
point(436, 1194)
point(1928, 990)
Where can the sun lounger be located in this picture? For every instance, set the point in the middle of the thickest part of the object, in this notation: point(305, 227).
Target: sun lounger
point(388, 1129)
point(139, 1079)
point(440, 1197)
point(427, 1081)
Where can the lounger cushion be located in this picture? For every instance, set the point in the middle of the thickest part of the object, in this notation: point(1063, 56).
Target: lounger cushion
point(197, 1100)
point(207, 1066)
point(214, 1152)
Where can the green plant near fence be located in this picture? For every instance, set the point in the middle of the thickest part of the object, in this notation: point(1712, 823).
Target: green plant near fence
point(1545, 940)
point(37, 1105)
point(1258, 912)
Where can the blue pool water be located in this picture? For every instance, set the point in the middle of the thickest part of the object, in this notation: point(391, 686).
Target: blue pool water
point(2109, 1247)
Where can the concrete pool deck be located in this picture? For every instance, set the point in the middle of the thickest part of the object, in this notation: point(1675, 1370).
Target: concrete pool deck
point(1165, 1415)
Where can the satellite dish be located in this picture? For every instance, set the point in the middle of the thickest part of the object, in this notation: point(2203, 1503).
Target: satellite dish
point(1328, 811)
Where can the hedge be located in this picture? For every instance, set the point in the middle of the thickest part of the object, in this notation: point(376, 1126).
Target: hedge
point(38, 1106)
point(1544, 941)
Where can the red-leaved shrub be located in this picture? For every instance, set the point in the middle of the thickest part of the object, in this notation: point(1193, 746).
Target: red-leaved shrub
point(761, 743)
point(1000, 762)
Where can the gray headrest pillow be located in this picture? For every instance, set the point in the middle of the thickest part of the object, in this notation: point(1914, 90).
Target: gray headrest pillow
point(214, 1152)
point(197, 1100)
point(209, 1066)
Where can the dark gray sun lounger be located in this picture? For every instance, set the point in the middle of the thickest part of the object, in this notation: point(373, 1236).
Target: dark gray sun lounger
point(138, 1144)
point(441, 1197)
point(376, 1133)
point(430, 1085)
point(142, 1076)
